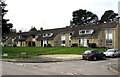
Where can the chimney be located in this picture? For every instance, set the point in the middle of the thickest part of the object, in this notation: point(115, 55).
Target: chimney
point(41, 28)
point(20, 31)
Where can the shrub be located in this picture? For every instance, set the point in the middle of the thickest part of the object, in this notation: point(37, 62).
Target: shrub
point(74, 45)
point(92, 45)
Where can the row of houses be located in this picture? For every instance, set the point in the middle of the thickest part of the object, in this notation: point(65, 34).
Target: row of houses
point(102, 34)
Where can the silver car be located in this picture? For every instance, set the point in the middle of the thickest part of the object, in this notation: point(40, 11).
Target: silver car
point(112, 53)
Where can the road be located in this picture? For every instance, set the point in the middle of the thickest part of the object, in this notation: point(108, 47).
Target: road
point(79, 67)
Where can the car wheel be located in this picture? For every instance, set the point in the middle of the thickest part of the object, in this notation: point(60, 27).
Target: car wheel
point(83, 58)
point(113, 55)
point(94, 58)
point(119, 55)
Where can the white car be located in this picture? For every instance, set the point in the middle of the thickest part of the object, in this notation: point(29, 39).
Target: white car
point(112, 53)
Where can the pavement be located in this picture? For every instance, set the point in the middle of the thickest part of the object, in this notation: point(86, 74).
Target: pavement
point(115, 68)
point(63, 56)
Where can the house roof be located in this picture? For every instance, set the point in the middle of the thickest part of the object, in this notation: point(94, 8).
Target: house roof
point(54, 31)
point(11, 35)
point(96, 27)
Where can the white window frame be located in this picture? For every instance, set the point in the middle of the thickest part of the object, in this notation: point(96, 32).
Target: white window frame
point(47, 34)
point(109, 37)
point(89, 31)
point(63, 36)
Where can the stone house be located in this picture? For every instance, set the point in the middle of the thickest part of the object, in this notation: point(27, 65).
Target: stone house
point(102, 34)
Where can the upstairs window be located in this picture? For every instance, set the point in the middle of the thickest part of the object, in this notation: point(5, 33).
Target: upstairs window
point(47, 34)
point(86, 31)
point(33, 36)
point(109, 37)
point(63, 36)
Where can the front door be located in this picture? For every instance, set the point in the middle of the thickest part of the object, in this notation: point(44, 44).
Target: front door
point(86, 42)
point(33, 43)
point(29, 43)
point(41, 42)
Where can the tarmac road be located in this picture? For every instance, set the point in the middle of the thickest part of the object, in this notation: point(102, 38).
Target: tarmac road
point(80, 67)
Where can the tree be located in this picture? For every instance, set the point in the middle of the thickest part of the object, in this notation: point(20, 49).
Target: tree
point(5, 25)
point(109, 16)
point(82, 17)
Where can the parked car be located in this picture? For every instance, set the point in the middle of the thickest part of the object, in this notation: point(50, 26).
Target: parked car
point(112, 53)
point(93, 55)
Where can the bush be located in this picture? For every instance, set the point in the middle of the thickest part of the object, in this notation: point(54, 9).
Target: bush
point(74, 45)
point(49, 45)
point(92, 45)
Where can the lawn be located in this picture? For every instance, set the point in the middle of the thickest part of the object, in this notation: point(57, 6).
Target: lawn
point(14, 52)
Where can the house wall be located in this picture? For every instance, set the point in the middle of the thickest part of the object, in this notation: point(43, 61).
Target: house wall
point(19, 43)
point(93, 40)
point(117, 37)
point(38, 43)
point(74, 41)
point(114, 38)
point(51, 42)
point(102, 37)
point(67, 39)
point(31, 39)
point(57, 41)
point(8, 42)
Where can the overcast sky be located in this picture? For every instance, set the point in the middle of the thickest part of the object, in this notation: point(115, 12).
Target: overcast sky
point(52, 13)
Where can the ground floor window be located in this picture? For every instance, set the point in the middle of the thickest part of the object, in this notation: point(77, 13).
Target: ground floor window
point(63, 42)
point(101, 41)
point(108, 42)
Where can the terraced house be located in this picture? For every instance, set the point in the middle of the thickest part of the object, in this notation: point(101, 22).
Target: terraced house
point(102, 34)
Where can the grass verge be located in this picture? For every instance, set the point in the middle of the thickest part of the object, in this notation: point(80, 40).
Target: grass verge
point(14, 52)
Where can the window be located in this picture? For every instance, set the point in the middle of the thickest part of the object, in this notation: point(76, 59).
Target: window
point(109, 37)
point(63, 36)
point(56, 41)
point(33, 36)
point(20, 36)
point(47, 34)
point(44, 34)
point(86, 31)
point(79, 41)
point(63, 42)
point(82, 32)
point(70, 41)
point(101, 41)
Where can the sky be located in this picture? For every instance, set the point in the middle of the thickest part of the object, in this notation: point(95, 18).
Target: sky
point(50, 14)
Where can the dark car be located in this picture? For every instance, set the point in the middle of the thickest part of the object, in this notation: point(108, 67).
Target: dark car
point(93, 55)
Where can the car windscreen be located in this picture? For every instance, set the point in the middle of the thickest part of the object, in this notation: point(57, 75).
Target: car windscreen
point(110, 50)
point(87, 52)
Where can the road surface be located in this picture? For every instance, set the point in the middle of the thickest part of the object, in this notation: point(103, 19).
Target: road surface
point(79, 67)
